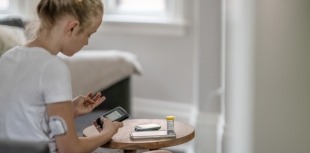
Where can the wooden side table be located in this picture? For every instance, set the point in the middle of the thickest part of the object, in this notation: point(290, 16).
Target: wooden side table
point(121, 139)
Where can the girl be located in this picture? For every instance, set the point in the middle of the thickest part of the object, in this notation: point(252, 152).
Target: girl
point(36, 84)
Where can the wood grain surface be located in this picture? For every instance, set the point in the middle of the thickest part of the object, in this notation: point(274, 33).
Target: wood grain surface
point(121, 140)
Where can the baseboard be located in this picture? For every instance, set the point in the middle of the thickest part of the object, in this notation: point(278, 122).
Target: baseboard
point(208, 133)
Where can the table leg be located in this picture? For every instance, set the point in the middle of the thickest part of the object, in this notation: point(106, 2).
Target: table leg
point(130, 151)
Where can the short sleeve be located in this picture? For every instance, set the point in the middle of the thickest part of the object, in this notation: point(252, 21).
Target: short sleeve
point(56, 81)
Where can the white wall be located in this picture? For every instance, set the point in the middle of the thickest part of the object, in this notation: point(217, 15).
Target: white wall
point(273, 115)
point(282, 97)
point(208, 14)
point(182, 70)
point(175, 66)
point(239, 76)
point(167, 62)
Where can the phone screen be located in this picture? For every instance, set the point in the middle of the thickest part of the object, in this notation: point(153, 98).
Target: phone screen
point(114, 115)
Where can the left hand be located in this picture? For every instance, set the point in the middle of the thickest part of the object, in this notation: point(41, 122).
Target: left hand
point(85, 104)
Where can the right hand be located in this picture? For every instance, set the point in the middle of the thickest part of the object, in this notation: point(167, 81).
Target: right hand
point(111, 127)
point(85, 104)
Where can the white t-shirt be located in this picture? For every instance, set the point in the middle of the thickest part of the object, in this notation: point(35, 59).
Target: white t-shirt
point(30, 78)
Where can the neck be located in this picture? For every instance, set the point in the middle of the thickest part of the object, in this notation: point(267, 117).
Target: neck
point(43, 40)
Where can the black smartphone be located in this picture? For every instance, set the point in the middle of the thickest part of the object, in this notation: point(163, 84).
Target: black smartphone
point(116, 114)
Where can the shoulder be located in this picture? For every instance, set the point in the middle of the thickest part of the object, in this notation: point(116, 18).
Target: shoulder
point(56, 65)
point(45, 58)
point(45, 61)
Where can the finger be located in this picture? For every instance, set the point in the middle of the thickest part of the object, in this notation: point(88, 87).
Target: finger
point(121, 124)
point(105, 119)
point(88, 100)
point(118, 124)
point(102, 119)
point(98, 95)
point(99, 98)
point(99, 101)
point(90, 95)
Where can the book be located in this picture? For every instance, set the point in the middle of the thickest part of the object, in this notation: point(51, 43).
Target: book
point(159, 134)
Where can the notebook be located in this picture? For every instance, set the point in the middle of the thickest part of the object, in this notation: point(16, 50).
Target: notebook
point(159, 134)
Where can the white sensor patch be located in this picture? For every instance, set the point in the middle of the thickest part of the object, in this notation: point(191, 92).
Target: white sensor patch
point(57, 125)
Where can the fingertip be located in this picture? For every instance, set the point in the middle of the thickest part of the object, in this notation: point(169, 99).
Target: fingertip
point(90, 94)
point(98, 94)
point(121, 124)
point(106, 119)
point(103, 118)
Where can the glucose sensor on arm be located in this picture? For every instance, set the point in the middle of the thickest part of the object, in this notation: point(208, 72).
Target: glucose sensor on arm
point(57, 125)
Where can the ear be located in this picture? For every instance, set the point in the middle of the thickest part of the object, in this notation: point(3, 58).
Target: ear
point(72, 26)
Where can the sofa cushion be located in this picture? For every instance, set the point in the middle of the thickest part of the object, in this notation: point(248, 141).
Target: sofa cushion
point(94, 70)
point(10, 36)
point(12, 21)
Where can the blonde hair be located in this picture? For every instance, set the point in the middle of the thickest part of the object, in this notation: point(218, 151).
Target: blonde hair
point(49, 11)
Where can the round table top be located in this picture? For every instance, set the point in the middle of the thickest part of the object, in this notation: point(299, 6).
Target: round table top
point(121, 140)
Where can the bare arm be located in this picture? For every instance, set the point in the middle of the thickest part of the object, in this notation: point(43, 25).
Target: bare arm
point(70, 142)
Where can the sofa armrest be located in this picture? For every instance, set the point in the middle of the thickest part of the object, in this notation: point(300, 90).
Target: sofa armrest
point(94, 70)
